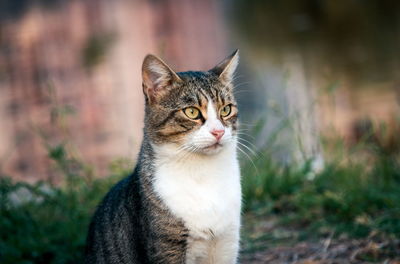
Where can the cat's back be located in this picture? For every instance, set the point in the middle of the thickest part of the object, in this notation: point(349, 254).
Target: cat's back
point(114, 229)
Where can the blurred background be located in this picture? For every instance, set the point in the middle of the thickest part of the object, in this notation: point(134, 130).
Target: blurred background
point(318, 88)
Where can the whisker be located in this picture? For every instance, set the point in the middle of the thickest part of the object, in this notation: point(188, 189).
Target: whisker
point(248, 148)
point(254, 165)
point(245, 134)
point(247, 141)
point(260, 154)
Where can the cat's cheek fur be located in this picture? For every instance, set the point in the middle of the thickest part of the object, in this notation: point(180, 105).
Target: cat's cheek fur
point(204, 191)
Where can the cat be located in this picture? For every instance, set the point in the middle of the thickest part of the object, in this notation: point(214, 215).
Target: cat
point(182, 203)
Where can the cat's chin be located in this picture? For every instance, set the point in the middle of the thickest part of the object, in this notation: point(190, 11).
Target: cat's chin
point(215, 148)
point(212, 149)
point(174, 150)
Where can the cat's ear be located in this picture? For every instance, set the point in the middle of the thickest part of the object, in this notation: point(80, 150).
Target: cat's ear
point(157, 77)
point(226, 68)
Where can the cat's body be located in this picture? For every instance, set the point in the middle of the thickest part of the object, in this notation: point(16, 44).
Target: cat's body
point(182, 203)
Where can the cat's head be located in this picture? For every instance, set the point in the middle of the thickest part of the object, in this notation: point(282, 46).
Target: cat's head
point(191, 111)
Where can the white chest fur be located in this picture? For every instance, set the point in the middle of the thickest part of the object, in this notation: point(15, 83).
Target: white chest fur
point(204, 191)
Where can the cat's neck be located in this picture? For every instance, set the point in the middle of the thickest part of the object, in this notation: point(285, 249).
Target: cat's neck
point(203, 190)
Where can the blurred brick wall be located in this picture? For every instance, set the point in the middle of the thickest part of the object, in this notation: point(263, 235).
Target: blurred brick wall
point(41, 58)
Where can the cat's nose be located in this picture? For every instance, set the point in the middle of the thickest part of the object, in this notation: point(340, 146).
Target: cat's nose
point(218, 133)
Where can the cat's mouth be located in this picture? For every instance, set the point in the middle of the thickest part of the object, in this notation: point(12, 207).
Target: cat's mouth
point(216, 145)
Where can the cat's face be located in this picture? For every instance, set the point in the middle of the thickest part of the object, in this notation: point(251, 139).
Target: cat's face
point(193, 111)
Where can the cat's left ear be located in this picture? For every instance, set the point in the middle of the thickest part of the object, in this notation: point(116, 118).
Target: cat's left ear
point(226, 68)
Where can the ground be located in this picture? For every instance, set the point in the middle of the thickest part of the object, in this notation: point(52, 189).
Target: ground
point(265, 240)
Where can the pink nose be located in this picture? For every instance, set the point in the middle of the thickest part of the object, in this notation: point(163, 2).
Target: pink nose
point(218, 133)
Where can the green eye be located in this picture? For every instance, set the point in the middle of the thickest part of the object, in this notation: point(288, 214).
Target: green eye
point(192, 112)
point(225, 111)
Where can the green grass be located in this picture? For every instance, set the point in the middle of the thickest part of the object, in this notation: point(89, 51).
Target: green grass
point(352, 198)
point(46, 223)
point(355, 198)
point(51, 229)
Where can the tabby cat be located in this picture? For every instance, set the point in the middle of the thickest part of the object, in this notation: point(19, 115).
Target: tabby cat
point(182, 202)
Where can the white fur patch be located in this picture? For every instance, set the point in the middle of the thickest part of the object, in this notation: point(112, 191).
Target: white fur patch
point(204, 191)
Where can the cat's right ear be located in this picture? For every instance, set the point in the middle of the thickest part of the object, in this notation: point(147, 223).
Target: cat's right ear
point(157, 77)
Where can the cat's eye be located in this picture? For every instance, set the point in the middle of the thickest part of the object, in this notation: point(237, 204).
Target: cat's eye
point(225, 111)
point(192, 112)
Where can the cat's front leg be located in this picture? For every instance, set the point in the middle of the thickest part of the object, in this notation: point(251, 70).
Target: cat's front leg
point(226, 248)
point(221, 249)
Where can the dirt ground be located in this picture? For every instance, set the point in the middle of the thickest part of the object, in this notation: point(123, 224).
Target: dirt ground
point(330, 252)
point(268, 242)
